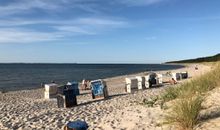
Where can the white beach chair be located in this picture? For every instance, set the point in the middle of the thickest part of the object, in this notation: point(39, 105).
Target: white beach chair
point(159, 79)
point(184, 75)
point(140, 82)
point(176, 76)
point(147, 85)
point(131, 84)
point(50, 90)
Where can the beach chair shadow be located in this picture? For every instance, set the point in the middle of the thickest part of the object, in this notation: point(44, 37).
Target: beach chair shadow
point(157, 86)
point(116, 95)
point(102, 99)
point(93, 101)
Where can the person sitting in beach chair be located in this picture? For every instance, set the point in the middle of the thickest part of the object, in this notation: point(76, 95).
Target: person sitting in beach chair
point(88, 85)
point(85, 85)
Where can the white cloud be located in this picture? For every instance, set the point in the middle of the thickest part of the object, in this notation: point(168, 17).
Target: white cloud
point(16, 27)
point(139, 2)
point(11, 35)
point(15, 31)
point(26, 6)
point(74, 29)
point(50, 6)
point(97, 21)
point(89, 21)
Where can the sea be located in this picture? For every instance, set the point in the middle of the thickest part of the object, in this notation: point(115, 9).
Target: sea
point(26, 76)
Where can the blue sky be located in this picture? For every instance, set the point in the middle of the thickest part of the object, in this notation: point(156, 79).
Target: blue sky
point(108, 31)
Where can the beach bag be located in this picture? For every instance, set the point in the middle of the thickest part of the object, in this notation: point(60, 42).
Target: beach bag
point(76, 125)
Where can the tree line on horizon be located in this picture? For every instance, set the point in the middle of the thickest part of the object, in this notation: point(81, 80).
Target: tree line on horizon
point(197, 60)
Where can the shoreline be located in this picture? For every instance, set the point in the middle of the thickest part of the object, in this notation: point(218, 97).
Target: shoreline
point(10, 89)
point(27, 109)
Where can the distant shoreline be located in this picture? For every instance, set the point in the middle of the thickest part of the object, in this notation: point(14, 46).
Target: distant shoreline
point(4, 89)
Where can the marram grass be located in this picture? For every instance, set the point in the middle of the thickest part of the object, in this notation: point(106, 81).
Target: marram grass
point(189, 97)
point(185, 112)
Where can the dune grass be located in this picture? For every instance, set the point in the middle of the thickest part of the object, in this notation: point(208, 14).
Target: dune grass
point(189, 97)
point(185, 112)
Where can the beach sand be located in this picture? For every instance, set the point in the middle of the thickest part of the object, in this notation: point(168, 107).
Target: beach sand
point(210, 114)
point(27, 109)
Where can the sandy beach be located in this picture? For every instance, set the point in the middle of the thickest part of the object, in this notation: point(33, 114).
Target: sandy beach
point(27, 109)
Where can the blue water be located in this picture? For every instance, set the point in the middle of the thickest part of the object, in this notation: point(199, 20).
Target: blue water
point(21, 76)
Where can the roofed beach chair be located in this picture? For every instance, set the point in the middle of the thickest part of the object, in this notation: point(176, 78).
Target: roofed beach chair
point(50, 90)
point(99, 89)
point(131, 84)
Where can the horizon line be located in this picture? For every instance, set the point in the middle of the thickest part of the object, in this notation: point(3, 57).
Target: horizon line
point(71, 63)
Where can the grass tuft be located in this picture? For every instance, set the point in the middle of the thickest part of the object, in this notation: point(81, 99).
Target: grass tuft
point(150, 102)
point(185, 112)
point(170, 94)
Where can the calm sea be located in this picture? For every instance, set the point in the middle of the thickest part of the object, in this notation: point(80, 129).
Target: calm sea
point(21, 76)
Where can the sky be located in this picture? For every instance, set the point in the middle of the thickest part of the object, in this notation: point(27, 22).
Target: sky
point(108, 31)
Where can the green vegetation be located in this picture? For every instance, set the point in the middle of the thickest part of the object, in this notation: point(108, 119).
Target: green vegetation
point(150, 102)
point(170, 94)
point(189, 98)
point(200, 85)
point(185, 112)
point(199, 60)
